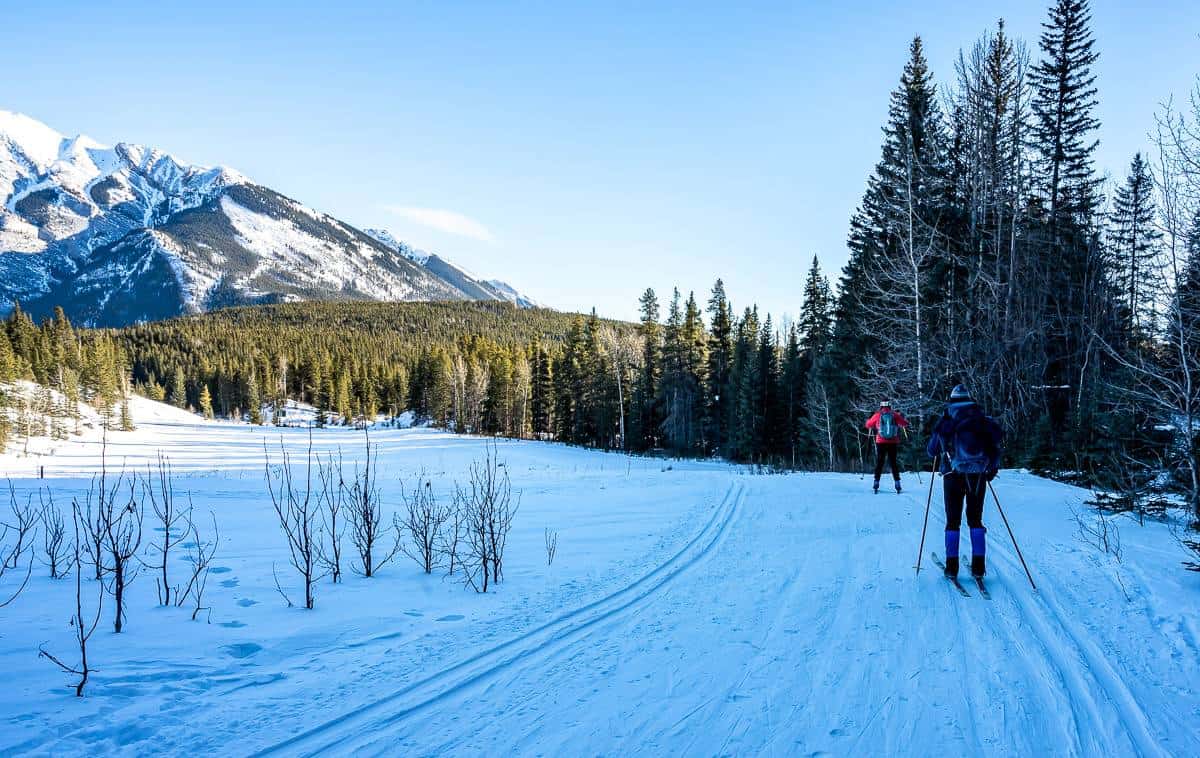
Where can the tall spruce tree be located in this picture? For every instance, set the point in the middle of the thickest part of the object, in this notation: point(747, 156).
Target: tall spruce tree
point(816, 315)
point(1134, 238)
point(178, 392)
point(206, 407)
point(1064, 102)
point(720, 362)
point(541, 390)
point(745, 423)
point(1073, 275)
point(646, 420)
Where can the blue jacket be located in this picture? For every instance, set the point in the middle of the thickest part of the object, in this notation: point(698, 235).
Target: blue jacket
point(941, 444)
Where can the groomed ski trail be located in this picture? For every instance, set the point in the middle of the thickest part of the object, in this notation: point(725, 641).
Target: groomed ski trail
point(347, 731)
point(770, 644)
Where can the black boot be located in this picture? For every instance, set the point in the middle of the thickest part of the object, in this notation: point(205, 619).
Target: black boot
point(898, 489)
point(977, 567)
point(952, 566)
point(875, 488)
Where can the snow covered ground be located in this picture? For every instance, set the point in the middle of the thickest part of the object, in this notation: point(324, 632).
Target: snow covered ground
point(693, 608)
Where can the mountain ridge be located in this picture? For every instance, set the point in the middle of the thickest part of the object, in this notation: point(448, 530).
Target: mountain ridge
point(124, 234)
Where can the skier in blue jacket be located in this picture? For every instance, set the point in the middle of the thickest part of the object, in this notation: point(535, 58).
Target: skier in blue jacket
point(966, 442)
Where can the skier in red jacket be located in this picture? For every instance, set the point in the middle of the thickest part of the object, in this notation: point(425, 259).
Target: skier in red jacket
point(887, 425)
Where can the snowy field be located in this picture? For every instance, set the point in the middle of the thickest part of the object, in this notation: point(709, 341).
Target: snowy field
point(693, 608)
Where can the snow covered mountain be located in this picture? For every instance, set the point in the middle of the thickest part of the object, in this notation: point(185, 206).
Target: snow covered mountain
point(475, 288)
point(123, 234)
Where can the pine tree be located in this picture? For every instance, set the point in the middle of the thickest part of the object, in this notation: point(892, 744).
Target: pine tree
point(720, 362)
point(1072, 277)
point(745, 424)
point(541, 391)
point(206, 407)
point(647, 417)
point(674, 389)
point(772, 426)
point(696, 362)
point(126, 416)
point(498, 407)
point(342, 399)
point(178, 394)
point(1063, 103)
point(1135, 247)
point(253, 398)
point(816, 316)
point(8, 360)
point(156, 391)
point(569, 379)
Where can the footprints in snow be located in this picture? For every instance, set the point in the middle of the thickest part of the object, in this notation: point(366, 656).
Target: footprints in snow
point(242, 649)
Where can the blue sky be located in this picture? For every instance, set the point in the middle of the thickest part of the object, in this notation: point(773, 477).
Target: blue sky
point(581, 151)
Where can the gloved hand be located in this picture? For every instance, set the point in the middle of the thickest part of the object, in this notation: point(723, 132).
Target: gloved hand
point(992, 474)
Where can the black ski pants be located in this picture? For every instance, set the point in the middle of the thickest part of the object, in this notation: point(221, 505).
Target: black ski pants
point(959, 487)
point(886, 450)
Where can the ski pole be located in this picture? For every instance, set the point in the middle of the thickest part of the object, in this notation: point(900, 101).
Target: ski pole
point(1012, 536)
point(928, 502)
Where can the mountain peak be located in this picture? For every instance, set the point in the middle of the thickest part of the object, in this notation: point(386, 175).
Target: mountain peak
point(34, 139)
point(131, 233)
point(385, 238)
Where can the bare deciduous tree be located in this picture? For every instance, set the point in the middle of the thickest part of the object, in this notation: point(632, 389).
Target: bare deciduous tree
point(20, 529)
point(551, 546)
point(422, 520)
point(332, 498)
point(100, 497)
point(83, 627)
point(200, 556)
point(122, 520)
point(368, 532)
point(297, 515)
point(451, 536)
point(625, 348)
point(56, 550)
point(174, 523)
point(489, 511)
point(9, 554)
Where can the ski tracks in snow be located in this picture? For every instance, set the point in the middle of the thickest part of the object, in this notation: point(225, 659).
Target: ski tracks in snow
point(1092, 686)
point(381, 722)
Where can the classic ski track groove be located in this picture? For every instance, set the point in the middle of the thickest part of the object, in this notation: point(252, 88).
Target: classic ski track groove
point(1110, 685)
point(334, 733)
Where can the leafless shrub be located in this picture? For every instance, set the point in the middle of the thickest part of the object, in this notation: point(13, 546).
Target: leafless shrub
point(122, 520)
point(489, 511)
point(551, 546)
point(83, 628)
point(8, 553)
point(279, 587)
point(368, 532)
point(422, 520)
point(297, 514)
point(20, 530)
point(1097, 527)
point(56, 550)
point(100, 497)
point(200, 556)
point(450, 538)
point(174, 523)
point(332, 498)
